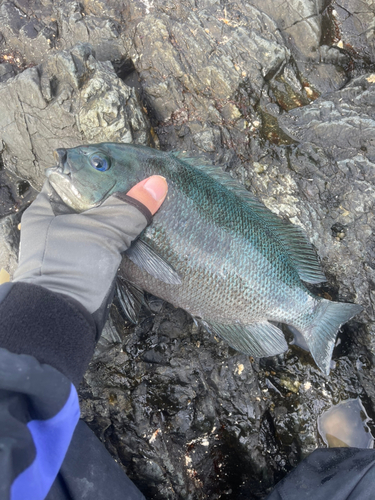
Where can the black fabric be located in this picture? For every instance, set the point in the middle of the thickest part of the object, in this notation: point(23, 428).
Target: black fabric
point(100, 316)
point(37, 323)
point(330, 474)
point(28, 391)
point(90, 473)
point(23, 374)
point(17, 446)
point(54, 329)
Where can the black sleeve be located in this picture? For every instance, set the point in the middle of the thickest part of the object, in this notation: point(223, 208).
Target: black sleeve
point(53, 328)
point(46, 343)
point(330, 474)
point(39, 411)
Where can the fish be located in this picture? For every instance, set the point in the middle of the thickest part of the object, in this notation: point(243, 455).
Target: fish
point(212, 249)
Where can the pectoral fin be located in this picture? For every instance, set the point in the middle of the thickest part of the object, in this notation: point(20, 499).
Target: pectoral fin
point(143, 256)
point(258, 339)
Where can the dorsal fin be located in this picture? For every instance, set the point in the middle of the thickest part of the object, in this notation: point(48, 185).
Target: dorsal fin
point(292, 237)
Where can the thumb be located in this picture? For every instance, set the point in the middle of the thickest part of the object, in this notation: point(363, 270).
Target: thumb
point(151, 192)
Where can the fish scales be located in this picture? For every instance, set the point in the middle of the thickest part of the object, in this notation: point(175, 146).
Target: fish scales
point(223, 267)
point(212, 249)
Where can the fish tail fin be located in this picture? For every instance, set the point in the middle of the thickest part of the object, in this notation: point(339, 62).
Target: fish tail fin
point(320, 335)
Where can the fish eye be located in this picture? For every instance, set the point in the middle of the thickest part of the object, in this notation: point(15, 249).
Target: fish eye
point(100, 162)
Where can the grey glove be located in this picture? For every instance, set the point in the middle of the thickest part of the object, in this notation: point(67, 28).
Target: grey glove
point(78, 254)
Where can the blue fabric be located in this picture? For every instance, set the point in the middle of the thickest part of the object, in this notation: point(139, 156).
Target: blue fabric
point(51, 438)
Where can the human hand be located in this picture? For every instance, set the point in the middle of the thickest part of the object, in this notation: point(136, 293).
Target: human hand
point(78, 254)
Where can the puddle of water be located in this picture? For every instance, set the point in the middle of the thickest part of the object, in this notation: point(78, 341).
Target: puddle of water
point(345, 425)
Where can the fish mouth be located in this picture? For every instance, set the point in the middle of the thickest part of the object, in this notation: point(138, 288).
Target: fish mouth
point(63, 167)
point(61, 178)
point(52, 171)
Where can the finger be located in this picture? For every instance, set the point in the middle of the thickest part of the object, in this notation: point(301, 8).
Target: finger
point(151, 192)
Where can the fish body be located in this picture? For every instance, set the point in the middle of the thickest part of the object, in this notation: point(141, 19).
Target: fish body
point(212, 249)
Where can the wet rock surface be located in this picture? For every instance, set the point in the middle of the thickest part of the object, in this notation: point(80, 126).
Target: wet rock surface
point(282, 97)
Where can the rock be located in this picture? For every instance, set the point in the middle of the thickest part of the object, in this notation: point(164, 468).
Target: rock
point(352, 22)
point(7, 71)
point(226, 48)
point(300, 23)
point(15, 196)
point(68, 100)
point(103, 33)
point(338, 131)
point(9, 241)
point(23, 31)
point(332, 123)
point(197, 422)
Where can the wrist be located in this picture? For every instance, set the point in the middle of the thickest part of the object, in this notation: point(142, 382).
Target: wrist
point(56, 330)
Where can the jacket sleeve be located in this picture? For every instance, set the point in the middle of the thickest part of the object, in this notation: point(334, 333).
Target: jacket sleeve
point(46, 343)
point(330, 473)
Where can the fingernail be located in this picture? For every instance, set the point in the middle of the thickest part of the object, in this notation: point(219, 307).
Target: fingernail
point(156, 186)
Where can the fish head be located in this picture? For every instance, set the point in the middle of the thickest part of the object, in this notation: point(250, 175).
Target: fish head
point(86, 175)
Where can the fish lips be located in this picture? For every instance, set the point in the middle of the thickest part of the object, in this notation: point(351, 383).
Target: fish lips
point(62, 180)
point(62, 184)
point(63, 169)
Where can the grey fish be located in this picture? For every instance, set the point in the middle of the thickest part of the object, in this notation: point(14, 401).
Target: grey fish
point(213, 249)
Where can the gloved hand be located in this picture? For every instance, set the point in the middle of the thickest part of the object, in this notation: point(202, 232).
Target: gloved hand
point(78, 254)
point(47, 339)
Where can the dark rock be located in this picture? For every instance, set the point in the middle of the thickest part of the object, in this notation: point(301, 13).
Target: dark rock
point(22, 31)
point(102, 33)
point(195, 407)
point(7, 71)
point(206, 55)
point(15, 195)
point(351, 24)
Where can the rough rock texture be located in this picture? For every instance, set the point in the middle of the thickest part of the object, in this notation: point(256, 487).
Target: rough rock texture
point(70, 99)
point(9, 242)
point(282, 95)
point(196, 439)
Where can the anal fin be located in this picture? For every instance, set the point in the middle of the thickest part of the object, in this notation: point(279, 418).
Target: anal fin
point(260, 340)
